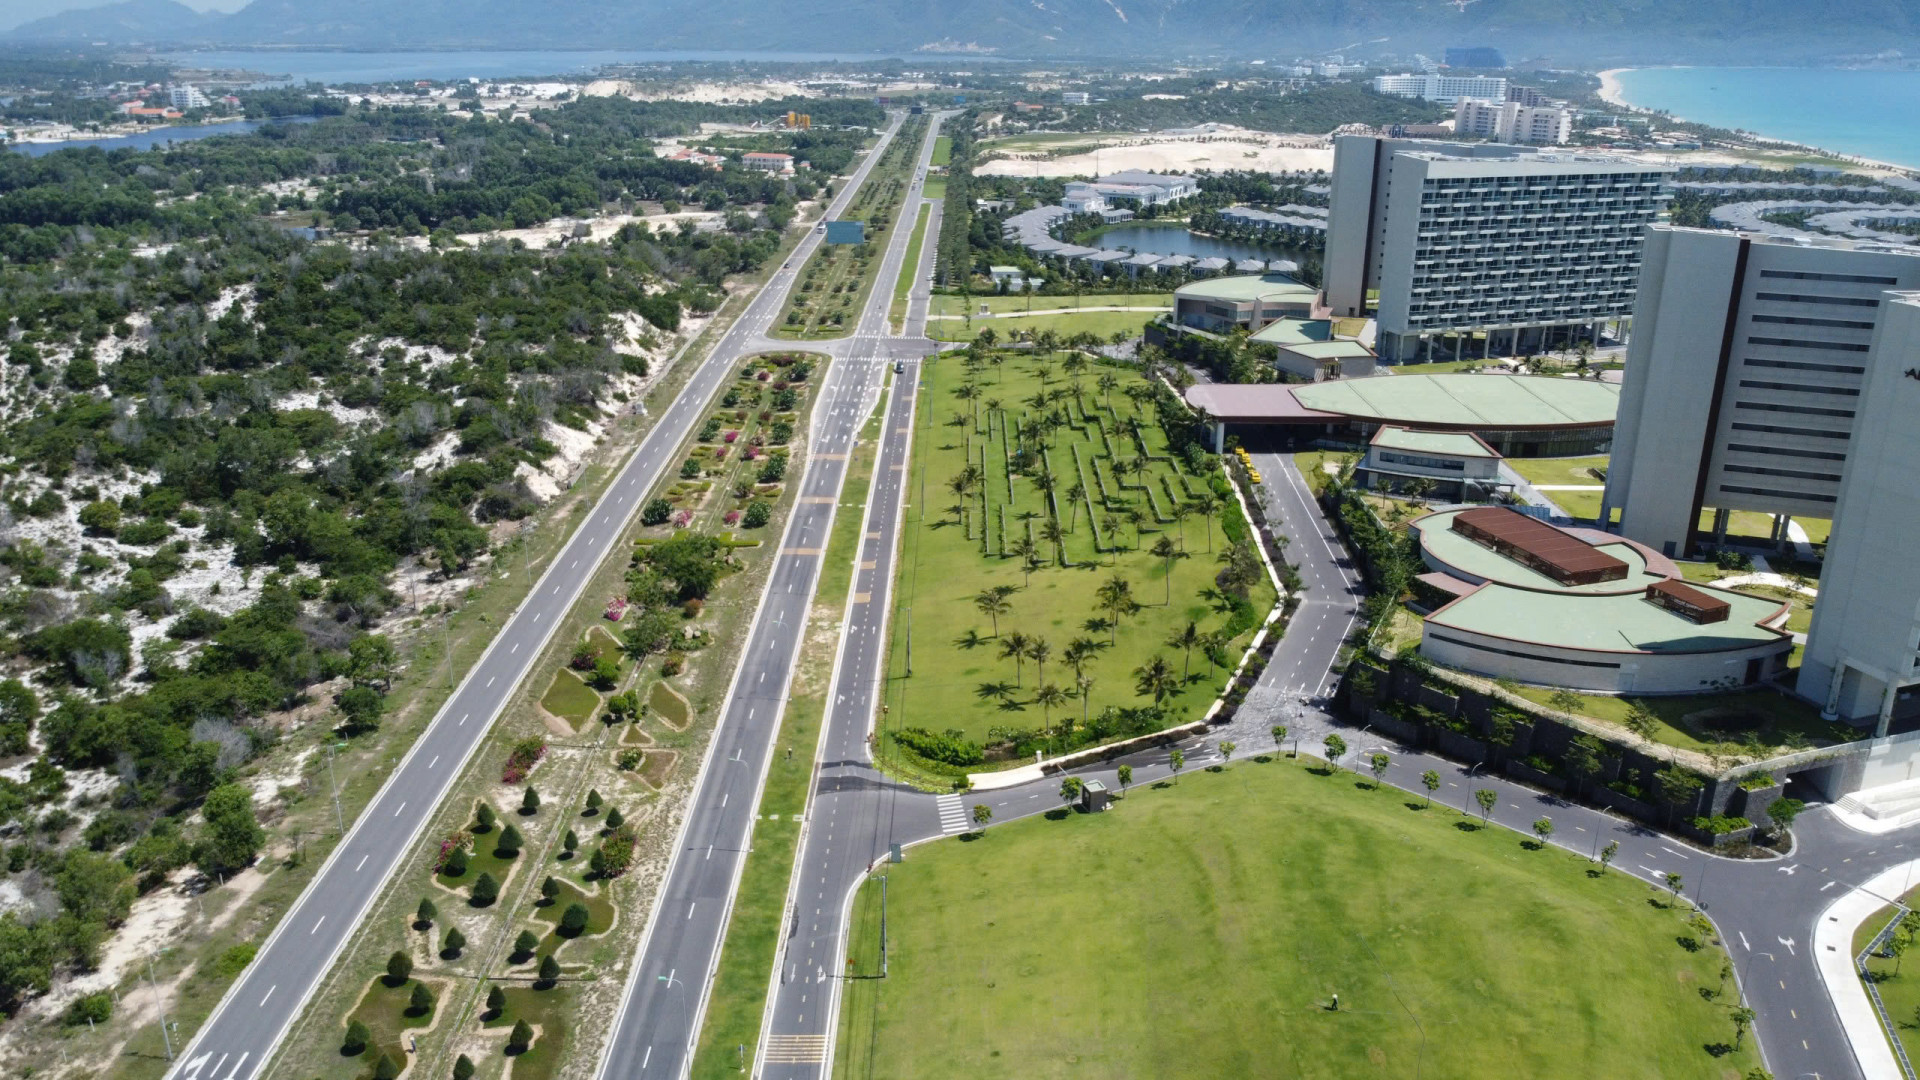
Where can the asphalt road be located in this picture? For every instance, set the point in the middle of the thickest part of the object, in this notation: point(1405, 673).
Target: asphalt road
point(249, 1022)
point(665, 999)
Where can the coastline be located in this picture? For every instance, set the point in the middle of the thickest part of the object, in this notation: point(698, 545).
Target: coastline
point(1612, 91)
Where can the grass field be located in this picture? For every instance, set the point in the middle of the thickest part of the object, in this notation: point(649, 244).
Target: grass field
point(1201, 930)
point(897, 313)
point(934, 187)
point(942, 151)
point(958, 673)
point(1312, 465)
point(1561, 470)
point(1899, 991)
point(1775, 718)
point(1754, 527)
point(1103, 323)
point(385, 1011)
point(1800, 619)
point(569, 698)
point(548, 1012)
point(955, 304)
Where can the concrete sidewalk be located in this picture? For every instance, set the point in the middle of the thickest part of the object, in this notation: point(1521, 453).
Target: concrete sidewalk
point(1833, 954)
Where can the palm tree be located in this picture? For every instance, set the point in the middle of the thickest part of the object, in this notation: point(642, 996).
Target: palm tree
point(1085, 685)
point(1116, 599)
point(1137, 518)
point(1112, 525)
point(1105, 383)
point(993, 603)
point(1038, 649)
point(1075, 495)
point(1014, 647)
point(995, 361)
point(1155, 679)
point(969, 393)
point(1051, 531)
point(960, 485)
point(1078, 652)
point(1024, 550)
point(1208, 504)
point(1047, 697)
point(987, 337)
point(1044, 482)
point(1185, 640)
point(1164, 549)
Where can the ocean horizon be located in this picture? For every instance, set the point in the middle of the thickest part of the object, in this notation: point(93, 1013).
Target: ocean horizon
point(1864, 113)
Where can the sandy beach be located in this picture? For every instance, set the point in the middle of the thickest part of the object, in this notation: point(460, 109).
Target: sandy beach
point(1610, 87)
point(1227, 148)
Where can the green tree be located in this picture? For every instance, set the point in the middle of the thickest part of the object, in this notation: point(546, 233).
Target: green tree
point(1781, 813)
point(993, 603)
point(597, 863)
point(982, 814)
point(456, 864)
point(1185, 640)
point(549, 969)
point(525, 944)
point(510, 843)
point(1227, 747)
point(593, 801)
point(463, 1068)
point(1543, 829)
point(483, 818)
point(1566, 701)
point(1125, 776)
point(420, 1002)
point(1014, 647)
point(1155, 679)
point(423, 915)
point(1177, 761)
point(386, 1068)
point(496, 1000)
point(233, 835)
point(1641, 720)
point(1431, 781)
point(1049, 697)
point(550, 888)
point(1115, 597)
point(570, 842)
point(1070, 789)
point(1742, 1018)
point(1607, 853)
point(1673, 884)
point(1678, 788)
point(357, 1038)
point(1279, 736)
point(19, 707)
point(1487, 798)
point(573, 921)
point(485, 890)
point(614, 820)
point(530, 802)
point(520, 1038)
point(1336, 749)
point(453, 943)
point(95, 888)
point(1583, 758)
point(399, 968)
point(1377, 763)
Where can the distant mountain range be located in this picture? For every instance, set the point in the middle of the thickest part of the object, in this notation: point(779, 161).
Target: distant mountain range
point(1626, 30)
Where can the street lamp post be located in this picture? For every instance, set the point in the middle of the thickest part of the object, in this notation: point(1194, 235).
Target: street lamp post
point(1466, 801)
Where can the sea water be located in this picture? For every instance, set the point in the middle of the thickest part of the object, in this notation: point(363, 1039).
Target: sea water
point(1873, 114)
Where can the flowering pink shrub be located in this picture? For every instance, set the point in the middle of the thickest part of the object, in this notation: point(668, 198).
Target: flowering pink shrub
point(526, 754)
point(763, 376)
point(682, 519)
point(456, 841)
point(732, 516)
point(730, 436)
point(752, 453)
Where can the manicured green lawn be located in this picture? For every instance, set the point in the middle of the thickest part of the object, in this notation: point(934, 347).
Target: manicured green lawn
point(1754, 527)
point(1103, 323)
point(956, 656)
point(1581, 505)
point(1899, 991)
point(569, 698)
point(1202, 930)
point(548, 1011)
point(942, 150)
point(934, 187)
point(1313, 466)
point(1561, 470)
point(384, 1010)
point(1776, 718)
point(955, 304)
point(670, 707)
point(600, 915)
point(1800, 619)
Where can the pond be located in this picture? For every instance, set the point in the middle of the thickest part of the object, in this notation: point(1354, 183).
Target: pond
point(159, 137)
point(1174, 239)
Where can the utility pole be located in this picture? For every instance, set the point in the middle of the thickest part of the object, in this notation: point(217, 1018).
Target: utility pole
point(909, 640)
point(165, 1038)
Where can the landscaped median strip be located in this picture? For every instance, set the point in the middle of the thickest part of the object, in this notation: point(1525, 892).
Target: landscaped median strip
point(737, 1003)
point(903, 287)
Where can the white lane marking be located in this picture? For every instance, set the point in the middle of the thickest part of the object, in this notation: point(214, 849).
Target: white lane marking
point(435, 761)
point(490, 679)
point(243, 1060)
point(647, 1058)
point(463, 718)
point(397, 809)
point(316, 926)
point(690, 908)
point(515, 649)
point(270, 990)
point(709, 853)
point(1670, 851)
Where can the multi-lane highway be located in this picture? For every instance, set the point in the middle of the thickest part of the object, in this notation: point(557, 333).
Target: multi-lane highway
point(247, 1025)
point(665, 998)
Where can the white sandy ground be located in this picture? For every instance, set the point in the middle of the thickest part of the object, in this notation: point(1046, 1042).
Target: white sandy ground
point(559, 229)
point(710, 93)
point(1229, 148)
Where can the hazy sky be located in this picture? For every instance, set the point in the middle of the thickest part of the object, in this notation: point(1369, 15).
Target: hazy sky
point(15, 12)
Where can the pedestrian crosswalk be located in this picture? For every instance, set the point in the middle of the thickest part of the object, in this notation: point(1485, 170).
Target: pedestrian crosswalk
point(953, 816)
point(796, 1049)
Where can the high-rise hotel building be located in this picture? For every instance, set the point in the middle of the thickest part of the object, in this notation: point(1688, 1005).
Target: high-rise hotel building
point(1464, 249)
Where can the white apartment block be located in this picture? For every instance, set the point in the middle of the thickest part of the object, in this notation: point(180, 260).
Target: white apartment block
point(187, 97)
point(1512, 122)
point(1076, 97)
point(1442, 88)
point(1459, 240)
point(1145, 188)
point(1744, 379)
point(1860, 661)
